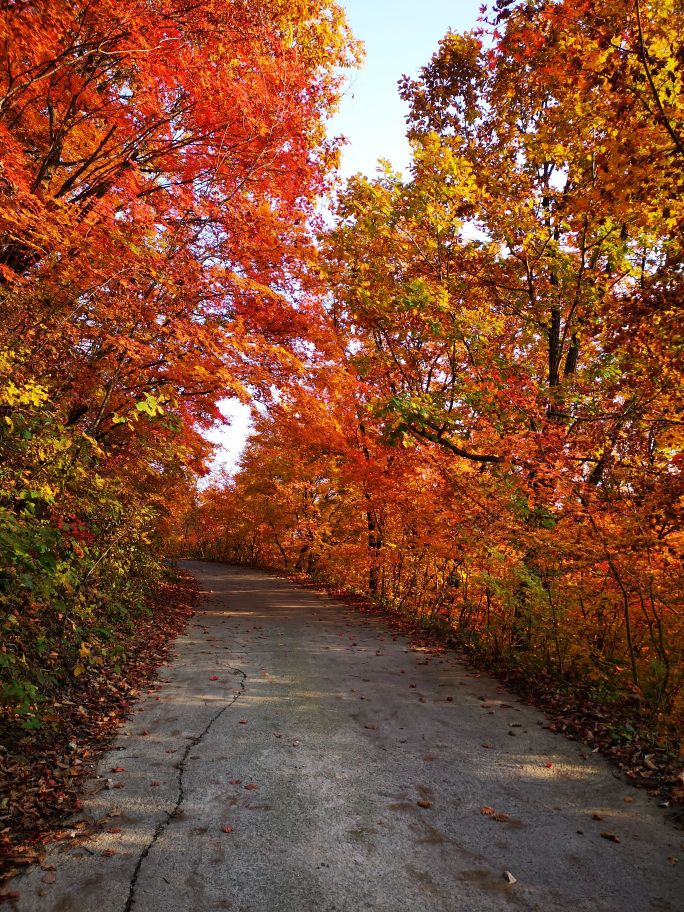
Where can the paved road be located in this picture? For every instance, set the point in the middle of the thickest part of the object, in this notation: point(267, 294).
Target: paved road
point(352, 772)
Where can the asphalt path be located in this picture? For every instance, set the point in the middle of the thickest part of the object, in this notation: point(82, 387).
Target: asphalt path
point(298, 756)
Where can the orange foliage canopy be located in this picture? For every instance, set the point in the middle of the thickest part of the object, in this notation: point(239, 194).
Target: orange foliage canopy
point(159, 167)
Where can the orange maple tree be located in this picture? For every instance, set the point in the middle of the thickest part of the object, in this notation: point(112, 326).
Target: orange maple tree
point(159, 172)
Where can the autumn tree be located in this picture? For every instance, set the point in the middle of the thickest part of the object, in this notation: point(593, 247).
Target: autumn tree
point(160, 167)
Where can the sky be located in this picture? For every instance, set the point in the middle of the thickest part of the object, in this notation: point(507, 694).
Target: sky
point(400, 36)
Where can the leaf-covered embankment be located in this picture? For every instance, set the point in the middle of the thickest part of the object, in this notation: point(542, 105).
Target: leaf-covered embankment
point(42, 771)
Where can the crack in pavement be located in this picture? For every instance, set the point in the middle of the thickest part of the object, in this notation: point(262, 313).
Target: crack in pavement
point(163, 824)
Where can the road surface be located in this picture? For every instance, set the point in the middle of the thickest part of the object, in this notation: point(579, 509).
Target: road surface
point(299, 757)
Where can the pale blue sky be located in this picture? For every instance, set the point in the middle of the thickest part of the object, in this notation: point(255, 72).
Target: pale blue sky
point(400, 36)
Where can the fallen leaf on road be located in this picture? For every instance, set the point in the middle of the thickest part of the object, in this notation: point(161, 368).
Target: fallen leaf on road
point(509, 877)
point(487, 811)
point(214, 678)
point(234, 781)
point(118, 769)
point(501, 817)
point(49, 878)
point(423, 803)
point(596, 816)
point(155, 783)
point(611, 837)
point(227, 829)
point(109, 852)
point(251, 786)
point(243, 721)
